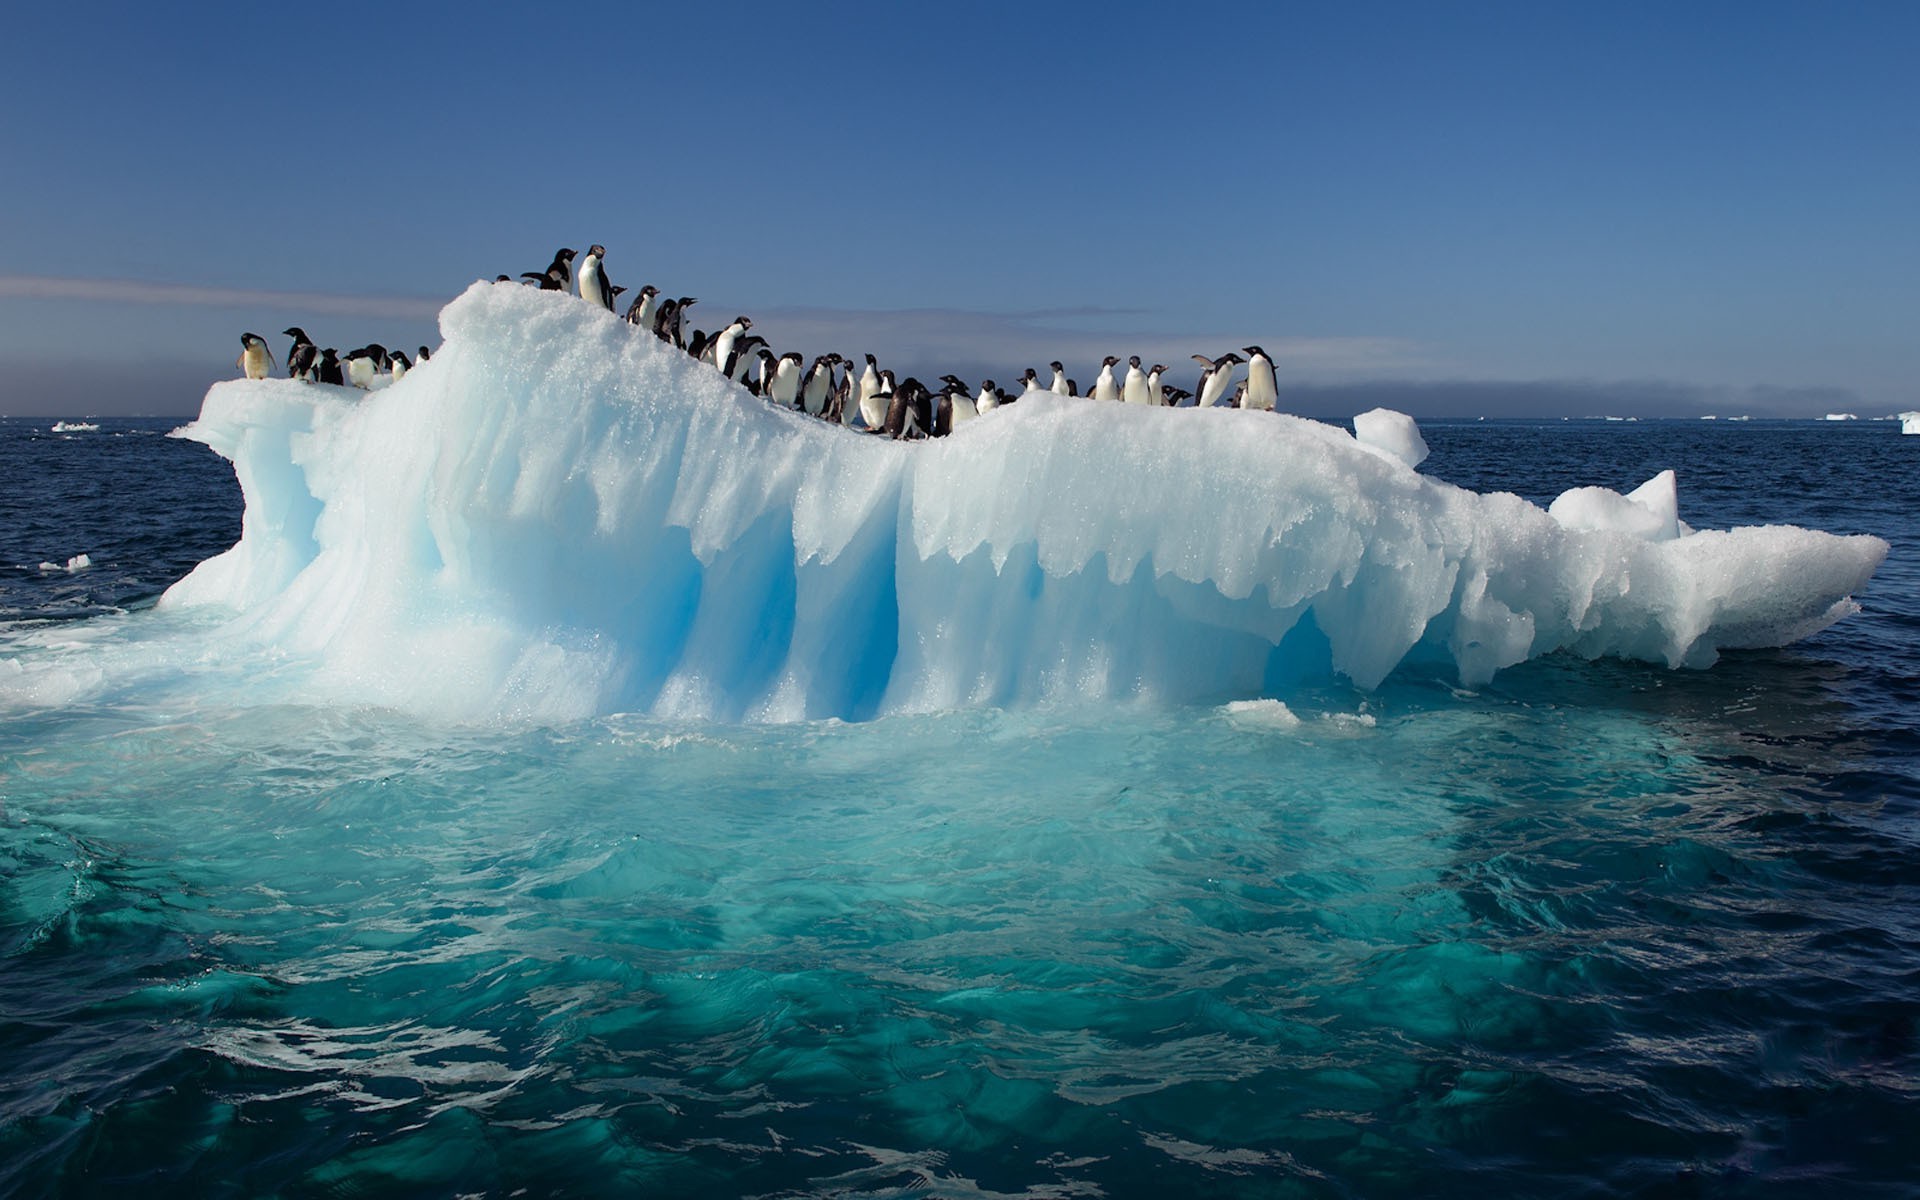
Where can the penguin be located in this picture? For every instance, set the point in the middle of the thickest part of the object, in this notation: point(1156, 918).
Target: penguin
point(1060, 385)
point(740, 364)
point(1030, 381)
point(722, 344)
point(680, 308)
point(641, 311)
point(1155, 395)
point(909, 412)
point(255, 359)
point(421, 355)
point(399, 365)
point(700, 348)
point(558, 275)
point(816, 390)
point(300, 339)
point(1262, 391)
point(665, 317)
point(302, 355)
point(837, 408)
point(783, 386)
point(1073, 387)
point(873, 411)
point(594, 285)
point(1105, 388)
point(1216, 377)
point(1138, 388)
point(363, 364)
point(988, 399)
point(954, 406)
point(328, 370)
point(1176, 396)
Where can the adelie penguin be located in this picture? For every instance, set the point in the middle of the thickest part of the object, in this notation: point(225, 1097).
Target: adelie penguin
point(816, 391)
point(641, 311)
point(783, 388)
point(397, 363)
point(872, 404)
point(594, 285)
point(1105, 387)
point(327, 370)
point(557, 276)
point(722, 345)
point(364, 364)
point(1262, 391)
point(1216, 378)
point(255, 359)
point(301, 355)
point(1060, 386)
point(1139, 387)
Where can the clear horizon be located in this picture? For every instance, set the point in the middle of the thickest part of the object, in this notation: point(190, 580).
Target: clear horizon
point(1669, 212)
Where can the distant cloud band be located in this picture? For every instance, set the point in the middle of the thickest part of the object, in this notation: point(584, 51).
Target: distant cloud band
point(138, 291)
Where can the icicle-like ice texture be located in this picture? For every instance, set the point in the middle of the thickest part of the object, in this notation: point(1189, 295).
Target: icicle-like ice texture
point(557, 517)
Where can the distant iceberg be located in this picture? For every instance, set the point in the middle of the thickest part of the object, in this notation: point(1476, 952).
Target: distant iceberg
point(1910, 422)
point(73, 427)
point(557, 516)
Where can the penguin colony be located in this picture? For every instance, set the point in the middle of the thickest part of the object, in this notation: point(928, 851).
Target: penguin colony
point(832, 387)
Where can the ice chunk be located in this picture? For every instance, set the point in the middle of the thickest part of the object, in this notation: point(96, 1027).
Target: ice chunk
point(1650, 512)
point(1910, 422)
point(558, 516)
point(1391, 433)
point(74, 565)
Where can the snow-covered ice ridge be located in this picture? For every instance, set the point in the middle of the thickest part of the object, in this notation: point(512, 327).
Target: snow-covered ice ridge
point(559, 516)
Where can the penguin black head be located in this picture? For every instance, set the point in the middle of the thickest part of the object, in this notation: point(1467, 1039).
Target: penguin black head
point(1057, 366)
point(597, 250)
point(1157, 368)
point(1111, 359)
point(248, 339)
point(563, 255)
point(503, 279)
point(1133, 360)
point(422, 355)
point(743, 322)
point(1255, 350)
point(986, 385)
point(297, 334)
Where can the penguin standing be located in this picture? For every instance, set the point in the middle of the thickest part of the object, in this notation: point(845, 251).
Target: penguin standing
point(255, 359)
point(399, 364)
point(1030, 382)
point(327, 370)
point(1061, 386)
point(1138, 388)
point(594, 284)
point(1262, 391)
point(1105, 387)
point(1154, 393)
point(988, 399)
point(558, 275)
point(641, 311)
point(365, 363)
point(740, 363)
point(1216, 377)
point(421, 355)
point(783, 388)
point(722, 344)
point(816, 391)
point(872, 408)
point(302, 355)
point(909, 411)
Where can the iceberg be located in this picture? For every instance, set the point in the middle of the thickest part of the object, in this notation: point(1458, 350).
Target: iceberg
point(559, 517)
point(1910, 422)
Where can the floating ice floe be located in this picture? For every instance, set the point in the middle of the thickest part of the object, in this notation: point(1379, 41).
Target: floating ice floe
point(77, 563)
point(73, 427)
point(559, 516)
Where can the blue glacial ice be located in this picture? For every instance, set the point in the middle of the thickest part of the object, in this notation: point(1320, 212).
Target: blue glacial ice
point(558, 517)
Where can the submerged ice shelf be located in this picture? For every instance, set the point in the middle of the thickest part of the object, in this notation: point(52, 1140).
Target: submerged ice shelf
point(558, 517)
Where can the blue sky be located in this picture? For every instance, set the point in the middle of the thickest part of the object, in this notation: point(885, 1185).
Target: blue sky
point(1712, 204)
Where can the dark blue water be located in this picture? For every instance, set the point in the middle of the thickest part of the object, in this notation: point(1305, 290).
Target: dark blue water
point(1598, 929)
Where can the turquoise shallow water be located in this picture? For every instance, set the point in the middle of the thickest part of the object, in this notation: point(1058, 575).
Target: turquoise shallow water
point(1596, 929)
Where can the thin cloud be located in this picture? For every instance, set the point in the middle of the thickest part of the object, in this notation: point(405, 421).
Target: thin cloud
point(140, 291)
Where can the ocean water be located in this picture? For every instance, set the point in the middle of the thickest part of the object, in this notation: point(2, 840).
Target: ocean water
point(1594, 929)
